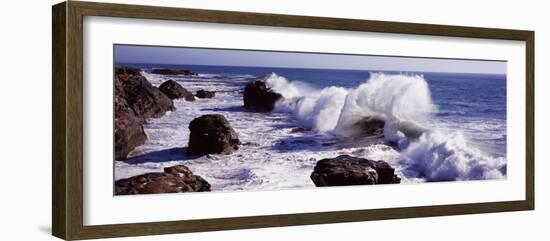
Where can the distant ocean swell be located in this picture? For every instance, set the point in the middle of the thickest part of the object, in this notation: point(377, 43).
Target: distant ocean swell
point(402, 101)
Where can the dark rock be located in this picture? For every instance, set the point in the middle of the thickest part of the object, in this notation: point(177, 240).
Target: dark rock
point(129, 131)
point(346, 170)
point(127, 71)
point(175, 91)
point(212, 134)
point(135, 101)
point(260, 98)
point(386, 173)
point(146, 100)
point(173, 72)
point(205, 94)
point(374, 126)
point(173, 180)
point(411, 129)
point(370, 126)
point(300, 129)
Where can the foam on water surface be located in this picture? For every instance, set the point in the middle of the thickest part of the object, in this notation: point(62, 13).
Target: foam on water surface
point(272, 156)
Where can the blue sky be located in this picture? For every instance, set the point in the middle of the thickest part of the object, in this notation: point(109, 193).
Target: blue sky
point(198, 56)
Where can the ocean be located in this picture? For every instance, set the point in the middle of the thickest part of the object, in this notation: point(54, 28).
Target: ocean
point(464, 113)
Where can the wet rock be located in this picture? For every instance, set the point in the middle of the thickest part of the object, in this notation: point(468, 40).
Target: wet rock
point(411, 129)
point(174, 179)
point(257, 96)
point(386, 173)
point(205, 94)
point(370, 126)
point(127, 71)
point(174, 72)
point(175, 91)
point(129, 131)
point(135, 101)
point(212, 134)
point(346, 170)
point(146, 100)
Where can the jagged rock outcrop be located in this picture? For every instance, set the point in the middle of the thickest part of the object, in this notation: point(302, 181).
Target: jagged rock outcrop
point(135, 101)
point(129, 131)
point(145, 99)
point(173, 180)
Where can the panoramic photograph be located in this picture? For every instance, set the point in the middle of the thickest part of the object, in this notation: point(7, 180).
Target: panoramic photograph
point(209, 120)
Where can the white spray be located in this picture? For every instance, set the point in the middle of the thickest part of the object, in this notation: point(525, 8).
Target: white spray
point(400, 100)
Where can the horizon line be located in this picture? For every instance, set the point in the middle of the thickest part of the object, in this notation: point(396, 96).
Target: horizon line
point(279, 67)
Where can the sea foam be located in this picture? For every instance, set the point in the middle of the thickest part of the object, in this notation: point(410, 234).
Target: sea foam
point(443, 157)
point(403, 101)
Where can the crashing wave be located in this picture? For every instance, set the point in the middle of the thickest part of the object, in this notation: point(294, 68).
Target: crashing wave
point(402, 101)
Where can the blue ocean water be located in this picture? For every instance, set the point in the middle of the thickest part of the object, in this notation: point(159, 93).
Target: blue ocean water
point(474, 104)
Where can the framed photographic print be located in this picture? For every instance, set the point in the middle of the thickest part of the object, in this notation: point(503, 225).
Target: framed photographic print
point(171, 120)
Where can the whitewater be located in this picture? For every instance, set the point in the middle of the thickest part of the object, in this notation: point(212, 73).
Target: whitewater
point(276, 156)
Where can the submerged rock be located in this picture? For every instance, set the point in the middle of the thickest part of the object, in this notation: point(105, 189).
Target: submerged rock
point(411, 129)
point(173, 180)
point(257, 96)
point(205, 94)
point(175, 91)
point(374, 126)
point(173, 72)
point(212, 134)
point(370, 126)
point(346, 170)
point(300, 129)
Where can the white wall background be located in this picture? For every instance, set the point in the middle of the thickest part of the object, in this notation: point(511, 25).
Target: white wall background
point(25, 123)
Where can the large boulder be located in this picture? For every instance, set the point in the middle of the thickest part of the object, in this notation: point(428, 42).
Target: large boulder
point(129, 131)
point(146, 100)
point(175, 91)
point(212, 134)
point(346, 170)
point(257, 96)
point(135, 101)
point(173, 72)
point(173, 180)
point(205, 94)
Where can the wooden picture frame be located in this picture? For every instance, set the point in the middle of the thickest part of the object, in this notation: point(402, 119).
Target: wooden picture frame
point(67, 137)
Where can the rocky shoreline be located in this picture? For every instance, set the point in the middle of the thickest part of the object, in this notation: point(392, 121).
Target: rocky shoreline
point(137, 101)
